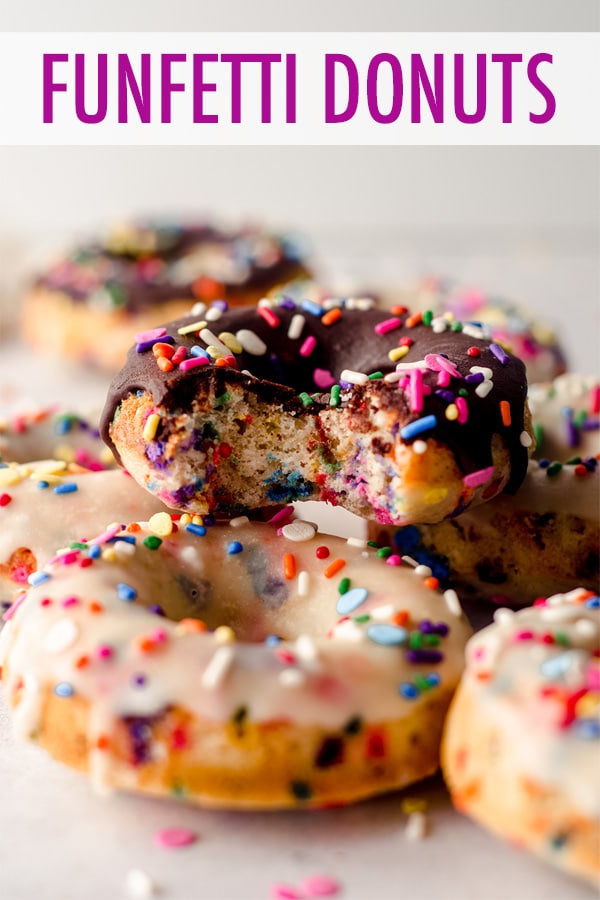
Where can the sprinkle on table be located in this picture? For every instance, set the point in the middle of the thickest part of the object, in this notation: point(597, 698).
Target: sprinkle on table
point(175, 837)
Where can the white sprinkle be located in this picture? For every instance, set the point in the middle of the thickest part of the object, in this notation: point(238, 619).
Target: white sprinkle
point(363, 303)
point(295, 328)
point(475, 331)
point(504, 617)
point(307, 653)
point(585, 628)
point(213, 314)
point(239, 521)
point(353, 377)
point(291, 677)
point(452, 602)
point(349, 631)
point(556, 613)
point(525, 439)
point(423, 571)
point(198, 309)
point(416, 827)
point(139, 884)
point(483, 389)
point(264, 301)
point(299, 531)
point(213, 341)
point(124, 549)
point(381, 613)
point(356, 542)
point(419, 447)
point(407, 366)
point(189, 554)
point(332, 303)
point(392, 377)
point(218, 667)
point(61, 636)
point(573, 596)
point(410, 561)
point(482, 370)
point(303, 583)
point(439, 324)
point(251, 342)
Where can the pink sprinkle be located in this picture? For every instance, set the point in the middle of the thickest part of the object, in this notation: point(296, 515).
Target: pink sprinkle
point(68, 558)
point(394, 560)
point(592, 674)
point(443, 379)
point(323, 378)
point(475, 479)
point(179, 355)
point(175, 837)
point(70, 601)
point(152, 335)
point(595, 399)
point(285, 656)
point(463, 410)
point(281, 516)
point(523, 636)
point(319, 886)
point(271, 318)
point(388, 325)
point(308, 346)
point(104, 651)
point(193, 363)
point(12, 609)
point(159, 636)
point(439, 363)
point(284, 892)
point(106, 535)
point(416, 390)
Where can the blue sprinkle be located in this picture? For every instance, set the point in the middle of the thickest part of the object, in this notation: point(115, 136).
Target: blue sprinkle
point(557, 666)
point(199, 530)
point(408, 691)
point(414, 428)
point(126, 592)
point(499, 353)
point(351, 600)
point(272, 640)
point(234, 547)
point(63, 689)
point(592, 603)
point(543, 463)
point(128, 538)
point(587, 729)
point(311, 307)
point(38, 578)
point(42, 485)
point(67, 487)
point(95, 551)
point(388, 635)
point(199, 351)
point(433, 679)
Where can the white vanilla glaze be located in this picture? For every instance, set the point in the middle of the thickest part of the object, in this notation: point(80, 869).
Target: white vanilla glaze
point(554, 404)
point(327, 669)
point(53, 432)
point(35, 517)
point(539, 669)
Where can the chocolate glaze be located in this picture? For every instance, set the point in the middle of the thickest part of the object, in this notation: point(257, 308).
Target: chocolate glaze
point(281, 374)
point(132, 276)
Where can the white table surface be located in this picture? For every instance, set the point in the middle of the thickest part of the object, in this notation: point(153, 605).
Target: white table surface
point(60, 841)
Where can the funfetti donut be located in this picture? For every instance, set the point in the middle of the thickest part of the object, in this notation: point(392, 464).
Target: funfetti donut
point(49, 503)
point(87, 305)
point(566, 417)
point(243, 665)
point(521, 747)
point(396, 417)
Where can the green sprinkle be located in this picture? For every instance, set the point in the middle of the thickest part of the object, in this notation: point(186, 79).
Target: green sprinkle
point(373, 544)
point(223, 399)
point(463, 392)
point(574, 461)
point(422, 682)
point(538, 433)
point(353, 725)
point(562, 638)
point(579, 418)
point(307, 400)
point(553, 469)
point(431, 640)
point(334, 399)
point(152, 542)
point(427, 317)
point(456, 326)
point(415, 641)
point(384, 552)
point(375, 376)
point(76, 545)
point(360, 620)
point(344, 586)
point(301, 790)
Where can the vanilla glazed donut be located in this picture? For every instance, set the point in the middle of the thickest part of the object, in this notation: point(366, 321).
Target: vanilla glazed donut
point(52, 432)
point(522, 740)
point(545, 537)
point(505, 321)
point(48, 503)
point(396, 417)
point(246, 665)
point(87, 305)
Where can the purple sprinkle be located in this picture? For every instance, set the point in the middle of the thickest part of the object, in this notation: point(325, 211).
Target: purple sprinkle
point(220, 304)
point(287, 303)
point(156, 609)
point(572, 434)
point(590, 425)
point(447, 396)
point(499, 353)
point(475, 378)
point(424, 656)
point(138, 680)
point(426, 627)
point(442, 629)
point(147, 345)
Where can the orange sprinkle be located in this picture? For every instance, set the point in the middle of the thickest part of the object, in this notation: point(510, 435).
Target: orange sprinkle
point(96, 607)
point(164, 364)
point(82, 662)
point(133, 527)
point(333, 315)
point(400, 617)
point(484, 676)
point(161, 349)
point(289, 566)
point(414, 320)
point(102, 742)
point(505, 413)
point(431, 583)
point(585, 596)
point(398, 310)
point(334, 567)
point(193, 625)
point(207, 289)
point(145, 644)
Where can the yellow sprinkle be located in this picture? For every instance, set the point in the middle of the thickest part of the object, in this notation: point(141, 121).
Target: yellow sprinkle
point(587, 706)
point(413, 805)
point(224, 634)
point(231, 341)
point(185, 519)
point(51, 479)
point(215, 352)
point(151, 427)
point(193, 326)
point(109, 555)
point(48, 467)
point(434, 495)
point(197, 520)
point(451, 412)
point(398, 353)
point(161, 524)
point(8, 477)
point(64, 452)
